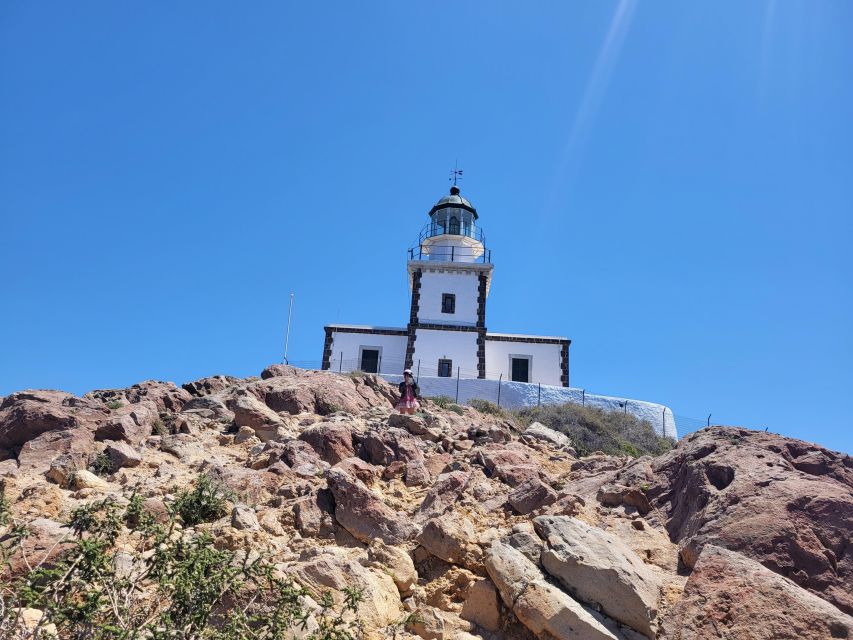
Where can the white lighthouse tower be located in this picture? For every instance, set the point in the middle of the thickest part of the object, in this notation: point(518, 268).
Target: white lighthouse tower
point(450, 275)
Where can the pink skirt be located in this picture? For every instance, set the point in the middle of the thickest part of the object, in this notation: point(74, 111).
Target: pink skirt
point(408, 404)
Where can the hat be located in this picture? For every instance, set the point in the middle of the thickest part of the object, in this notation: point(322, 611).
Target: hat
point(405, 371)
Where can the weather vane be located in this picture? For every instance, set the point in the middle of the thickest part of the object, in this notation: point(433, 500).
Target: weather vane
point(455, 173)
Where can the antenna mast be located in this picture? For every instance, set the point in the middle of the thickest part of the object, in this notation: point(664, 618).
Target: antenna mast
point(287, 335)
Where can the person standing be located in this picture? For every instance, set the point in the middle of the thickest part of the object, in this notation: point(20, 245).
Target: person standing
point(409, 394)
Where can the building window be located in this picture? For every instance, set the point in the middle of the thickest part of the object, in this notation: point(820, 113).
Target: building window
point(448, 303)
point(519, 368)
point(369, 361)
point(445, 368)
point(454, 226)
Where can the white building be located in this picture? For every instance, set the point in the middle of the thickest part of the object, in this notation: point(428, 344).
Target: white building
point(450, 274)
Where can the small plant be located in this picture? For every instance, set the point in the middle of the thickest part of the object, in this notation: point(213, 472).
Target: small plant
point(442, 401)
point(455, 408)
point(163, 586)
point(205, 503)
point(115, 404)
point(356, 373)
point(158, 428)
point(5, 510)
point(101, 464)
point(484, 406)
point(644, 487)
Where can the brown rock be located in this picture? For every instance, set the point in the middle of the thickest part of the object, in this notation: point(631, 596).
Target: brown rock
point(46, 541)
point(333, 441)
point(452, 538)
point(251, 412)
point(123, 455)
point(165, 395)
point(209, 385)
point(731, 596)
point(37, 455)
point(443, 494)
point(314, 515)
point(531, 495)
point(364, 515)
point(742, 490)
point(132, 423)
point(26, 415)
point(481, 605)
point(396, 562)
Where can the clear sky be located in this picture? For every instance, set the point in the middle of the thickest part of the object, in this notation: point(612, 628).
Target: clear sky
point(669, 184)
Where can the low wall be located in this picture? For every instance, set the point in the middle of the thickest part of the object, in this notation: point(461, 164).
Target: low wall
point(517, 395)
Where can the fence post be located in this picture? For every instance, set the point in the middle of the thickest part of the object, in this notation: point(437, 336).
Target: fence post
point(709, 420)
point(539, 399)
point(379, 365)
point(457, 385)
point(500, 377)
point(583, 397)
point(663, 423)
point(626, 408)
point(418, 377)
point(341, 363)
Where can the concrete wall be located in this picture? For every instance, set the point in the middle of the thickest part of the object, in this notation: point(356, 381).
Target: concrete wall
point(544, 366)
point(516, 395)
point(459, 346)
point(463, 284)
point(392, 350)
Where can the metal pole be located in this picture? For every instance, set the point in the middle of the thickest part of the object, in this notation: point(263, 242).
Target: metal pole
point(287, 336)
point(379, 365)
point(500, 377)
point(418, 377)
point(626, 408)
point(583, 397)
point(341, 363)
point(709, 420)
point(457, 385)
point(539, 399)
point(663, 423)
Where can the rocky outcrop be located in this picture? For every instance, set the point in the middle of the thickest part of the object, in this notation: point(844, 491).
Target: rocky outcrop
point(731, 596)
point(364, 515)
point(26, 415)
point(541, 607)
point(599, 568)
point(785, 503)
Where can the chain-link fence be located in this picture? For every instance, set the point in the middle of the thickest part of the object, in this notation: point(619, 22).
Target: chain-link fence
point(464, 385)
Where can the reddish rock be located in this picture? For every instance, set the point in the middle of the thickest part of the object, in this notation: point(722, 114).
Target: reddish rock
point(743, 490)
point(211, 384)
point(314, 515)
point(131, 423)
point(516, 474)
point(394, 470)
point(416, 474)
point(443, 494)
point(383, 447)
point(37, 455)
point(165, 395)
point(730, 596)
point(364, 515)
point(614, 495)
point(360, 469)
point(122, 454)
point(26, 415)
point(332, 441)
point(46, 541)
point(322, 392)
point(510, 454)
point(531, 495)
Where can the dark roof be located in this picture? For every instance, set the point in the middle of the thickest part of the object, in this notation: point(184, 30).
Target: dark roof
point(454, 200)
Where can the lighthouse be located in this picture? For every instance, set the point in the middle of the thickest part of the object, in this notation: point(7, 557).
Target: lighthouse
point(450, 275)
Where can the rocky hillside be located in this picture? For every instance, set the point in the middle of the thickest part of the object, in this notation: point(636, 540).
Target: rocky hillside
point(448, 524)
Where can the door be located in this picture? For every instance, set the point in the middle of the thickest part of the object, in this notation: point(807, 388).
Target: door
point(520, 370)
point(370, 360)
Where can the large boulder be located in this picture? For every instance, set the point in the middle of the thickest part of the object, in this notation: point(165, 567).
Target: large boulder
point(442, 495)
point(540, 606)
point(531, 495)
point(132, 423)
point(165, 395)
point(211, 384)
point(36, 455)
point(46, 541)
point(362, 512)
point(730, 596)
point(333, 441)
point(785, 503)
point(333, 570)
point(26, 415)
point(396, 563)
point(321, 392)
point(538, 432)
point(599, 568)
point(453, 539)
point(251, 412)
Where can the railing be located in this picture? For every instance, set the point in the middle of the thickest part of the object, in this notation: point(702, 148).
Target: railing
point(433, 229)
point(450, 253)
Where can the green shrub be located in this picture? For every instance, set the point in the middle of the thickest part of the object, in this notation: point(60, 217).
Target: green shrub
point(101, 464)
point(115, 404)
point(356, 373)
point(455, 408)
point(442, 401)
point(165, 586)
point(484, 406)
point(205, 503)
point(593, 429)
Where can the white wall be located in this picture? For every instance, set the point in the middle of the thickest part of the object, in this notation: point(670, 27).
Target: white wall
point(459, 346)
point(392, 349)
point(463, 284)
point(515, 395)
point(545, 363)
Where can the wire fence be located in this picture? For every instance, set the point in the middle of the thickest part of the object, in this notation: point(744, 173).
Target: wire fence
point(463, 385)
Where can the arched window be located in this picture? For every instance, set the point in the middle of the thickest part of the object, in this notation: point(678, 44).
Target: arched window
point(453, 226)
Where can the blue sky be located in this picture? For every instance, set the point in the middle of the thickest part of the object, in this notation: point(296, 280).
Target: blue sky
point(668, 184)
